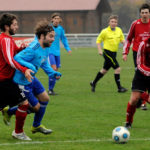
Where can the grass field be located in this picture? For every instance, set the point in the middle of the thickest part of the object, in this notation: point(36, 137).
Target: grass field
point(80, 119)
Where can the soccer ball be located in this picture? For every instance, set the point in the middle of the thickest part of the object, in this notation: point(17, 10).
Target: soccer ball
point(120, 134)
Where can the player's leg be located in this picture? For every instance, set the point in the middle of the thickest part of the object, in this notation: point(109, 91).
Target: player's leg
point(39, 104)
point(52, 81)
point(101, 73)
point(139, 84)
point(17, 96)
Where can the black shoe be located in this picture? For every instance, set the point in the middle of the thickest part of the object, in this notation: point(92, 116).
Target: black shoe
point(122, 90)
point(139, 103)
point(143, 107)
point(92, 87)
point(128, 125)
point(51, 92)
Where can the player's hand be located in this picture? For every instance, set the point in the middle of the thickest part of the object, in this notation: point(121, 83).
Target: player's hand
point(69, 52)
point(57, 75)
point(28, 75)
point(100, 53)
point(124, 57)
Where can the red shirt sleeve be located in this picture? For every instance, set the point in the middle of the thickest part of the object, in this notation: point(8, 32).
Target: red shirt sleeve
point(141, 59)
point(129, 38)
point(8, 49)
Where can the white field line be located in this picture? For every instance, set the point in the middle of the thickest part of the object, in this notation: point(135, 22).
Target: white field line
point(69, 141)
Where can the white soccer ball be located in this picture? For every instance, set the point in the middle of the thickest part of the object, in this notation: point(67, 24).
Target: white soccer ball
point(120, 134)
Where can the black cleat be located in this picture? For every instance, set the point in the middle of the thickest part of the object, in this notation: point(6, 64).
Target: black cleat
point(128, 125)
point(122, 90)
point(51, 92)
point(92, 87)
point(143, 107)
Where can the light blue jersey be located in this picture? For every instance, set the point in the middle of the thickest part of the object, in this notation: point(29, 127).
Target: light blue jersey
point(59, 35)
point(33, 57)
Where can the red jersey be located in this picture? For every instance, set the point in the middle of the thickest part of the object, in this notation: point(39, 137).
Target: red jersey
point(8, 49)
point(143, 57)
point(137, 33)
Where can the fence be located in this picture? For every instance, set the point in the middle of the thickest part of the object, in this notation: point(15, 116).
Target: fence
point(75, 40)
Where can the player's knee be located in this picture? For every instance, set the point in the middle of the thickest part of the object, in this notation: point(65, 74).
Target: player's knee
point(103, 71)
point(117, 71)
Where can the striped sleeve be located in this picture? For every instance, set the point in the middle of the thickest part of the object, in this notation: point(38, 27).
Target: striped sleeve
point(129, 38)
point(8, 53)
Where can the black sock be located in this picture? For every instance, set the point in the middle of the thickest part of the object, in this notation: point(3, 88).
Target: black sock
point(97, 78)
point(117, 79)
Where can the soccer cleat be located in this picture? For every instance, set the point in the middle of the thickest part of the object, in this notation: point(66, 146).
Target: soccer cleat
point(51, 92)
point(92, 87)
point(41, 129)
point(6, 117)
point(122, 90)
point(20, 136)
point(143, 107)
point(128, 125)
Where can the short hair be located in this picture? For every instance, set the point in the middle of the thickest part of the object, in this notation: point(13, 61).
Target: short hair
point(6, 19)
point(113, 17)
point(145, 6)
point(43, 27)
point(55, 14)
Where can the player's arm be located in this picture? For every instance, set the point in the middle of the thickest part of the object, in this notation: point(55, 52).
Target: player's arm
point(128, 41)
point(141, 59)
point(99, 41)
point(24, 57)
point(49, 70)
point(65, 41)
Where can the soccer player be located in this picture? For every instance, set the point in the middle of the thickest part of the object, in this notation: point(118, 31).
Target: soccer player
point(9, 91)
point(34, 57)
point(139, 30)
point(141, 80)
point(111, 37)
point(54, 57)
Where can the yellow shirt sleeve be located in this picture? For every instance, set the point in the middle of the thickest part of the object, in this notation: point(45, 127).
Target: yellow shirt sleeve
point(100, 37)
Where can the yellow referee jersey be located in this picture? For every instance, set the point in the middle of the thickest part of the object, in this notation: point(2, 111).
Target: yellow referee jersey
point(110, 38)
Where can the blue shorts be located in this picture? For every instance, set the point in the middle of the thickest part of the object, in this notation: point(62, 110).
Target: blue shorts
point(32, 90)
point(54, 60)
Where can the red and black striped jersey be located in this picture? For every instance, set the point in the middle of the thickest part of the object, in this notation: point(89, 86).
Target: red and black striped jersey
point(137, 33)
point(143, 57)
point(8, 49)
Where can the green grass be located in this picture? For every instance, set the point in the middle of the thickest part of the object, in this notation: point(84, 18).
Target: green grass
point(77, 116)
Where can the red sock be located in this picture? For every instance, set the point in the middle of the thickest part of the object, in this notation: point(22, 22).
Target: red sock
point(145, 96)
point(21, 114)
point(130, 113)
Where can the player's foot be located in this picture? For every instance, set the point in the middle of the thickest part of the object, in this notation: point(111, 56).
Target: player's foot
point(6, 117)
point(139, 103)
point(122, 90)
point(128, 125)
point(92, 86)
point(143, 107)
point(51, 92)
point(41, 129)
point(20, 136)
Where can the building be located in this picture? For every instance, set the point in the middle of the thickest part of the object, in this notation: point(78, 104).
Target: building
point(79, 16)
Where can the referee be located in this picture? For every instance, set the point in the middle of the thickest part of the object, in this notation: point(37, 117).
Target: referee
point(111, 37)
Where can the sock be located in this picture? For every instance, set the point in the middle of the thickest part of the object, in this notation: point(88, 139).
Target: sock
point(21, 114)
point(130, 113)
point(145, 96)
point(117, 80)
point(52, 82)
point(39, 115)
point(12, 110)
point(97, 78)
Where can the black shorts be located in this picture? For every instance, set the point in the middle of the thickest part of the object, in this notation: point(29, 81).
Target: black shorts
point(10, 94)
point(140, 82)
point(110, 60)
